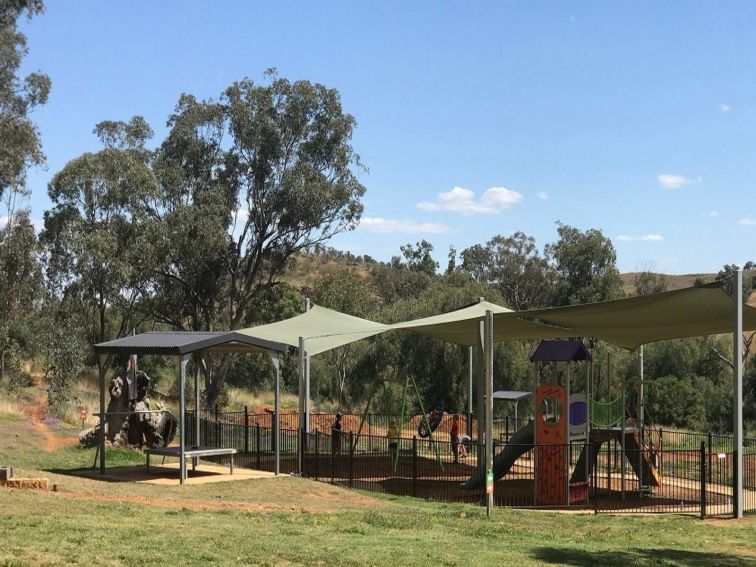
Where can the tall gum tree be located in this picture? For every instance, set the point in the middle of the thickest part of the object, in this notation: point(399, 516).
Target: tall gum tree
point(96, 245)
point(246, 182)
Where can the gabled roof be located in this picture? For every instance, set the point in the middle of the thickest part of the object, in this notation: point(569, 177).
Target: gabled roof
point(186, 342)
point(560, 351)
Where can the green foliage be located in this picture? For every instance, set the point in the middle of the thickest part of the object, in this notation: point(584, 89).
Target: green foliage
point(97, 246)
point(647, 283)
point(19, 96)
point(418, 257)
point(20, 287)
point(514, 266)
point(677, 402)
point(727, 273)
point(585, 263)
point(66, 360)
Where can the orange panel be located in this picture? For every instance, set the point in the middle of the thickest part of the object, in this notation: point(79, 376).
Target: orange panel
point(551, 437)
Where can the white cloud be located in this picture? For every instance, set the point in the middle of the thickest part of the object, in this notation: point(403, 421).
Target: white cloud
point(724, 107)
point(542, 195)
point(747, 221)
point(463, 201)
point(712, 213)
point(643, 238)
point(671, 181)
point(392, 226)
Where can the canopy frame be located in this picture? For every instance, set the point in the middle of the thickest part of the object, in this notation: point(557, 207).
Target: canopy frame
point(185, 345)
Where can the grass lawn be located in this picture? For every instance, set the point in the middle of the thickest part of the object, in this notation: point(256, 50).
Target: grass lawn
point(291, 521)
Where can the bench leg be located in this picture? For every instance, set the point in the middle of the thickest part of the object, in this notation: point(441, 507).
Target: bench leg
point(232, 464)
point(194, 463)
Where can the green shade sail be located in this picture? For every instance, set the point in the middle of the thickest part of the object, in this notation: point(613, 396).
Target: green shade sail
point(323, 329)
point(629, 323)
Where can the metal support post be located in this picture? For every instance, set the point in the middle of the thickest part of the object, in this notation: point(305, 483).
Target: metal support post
point(276, 414)
point(641, 420)
point(303, 418)
point(470, 391)
point(102, 360)
point(737, 365)
point(488, 353)
point(182, 362)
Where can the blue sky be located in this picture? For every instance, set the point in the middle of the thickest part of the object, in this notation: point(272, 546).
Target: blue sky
point(474, 119)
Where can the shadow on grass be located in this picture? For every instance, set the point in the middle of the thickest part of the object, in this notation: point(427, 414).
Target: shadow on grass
point(564, 556)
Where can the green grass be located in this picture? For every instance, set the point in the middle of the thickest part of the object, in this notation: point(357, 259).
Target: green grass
point(292, 521)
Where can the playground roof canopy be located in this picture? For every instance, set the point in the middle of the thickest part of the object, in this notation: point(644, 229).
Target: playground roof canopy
point(510, 395)
point(323, 329)
point(690, 312)
point(629, 323)
point(460, 326)
point(560, 351)
point(179, 343)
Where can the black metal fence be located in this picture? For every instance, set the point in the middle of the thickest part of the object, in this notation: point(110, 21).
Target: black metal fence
point(693, 480)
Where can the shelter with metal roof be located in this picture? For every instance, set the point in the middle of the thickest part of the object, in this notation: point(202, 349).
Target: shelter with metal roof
point(182, 345)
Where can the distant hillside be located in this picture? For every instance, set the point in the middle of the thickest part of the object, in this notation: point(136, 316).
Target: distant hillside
point(308, 267)
point(673, 281)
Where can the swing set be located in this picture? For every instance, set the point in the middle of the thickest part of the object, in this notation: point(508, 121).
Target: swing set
point(427, 425)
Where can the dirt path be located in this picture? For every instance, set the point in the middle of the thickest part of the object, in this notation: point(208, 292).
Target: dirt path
point(38, 413)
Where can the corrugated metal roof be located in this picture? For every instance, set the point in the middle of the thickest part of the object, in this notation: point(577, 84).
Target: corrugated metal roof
point(185, 342)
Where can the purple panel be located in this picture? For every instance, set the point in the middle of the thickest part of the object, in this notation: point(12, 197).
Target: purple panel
point(578, 413)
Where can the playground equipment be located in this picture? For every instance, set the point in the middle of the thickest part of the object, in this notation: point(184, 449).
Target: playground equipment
point(427, 426)
point(589, 422)
point(430, 423)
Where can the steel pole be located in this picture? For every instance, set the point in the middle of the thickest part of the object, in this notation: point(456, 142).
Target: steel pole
point(308, 306)
point(469, 391)
point(277, 413)
point(641, 419)
point(737, 366)
point(183, 359)
point(102, 360)
point(488, 353)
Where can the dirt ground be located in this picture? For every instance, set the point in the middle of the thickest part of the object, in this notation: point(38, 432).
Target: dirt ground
point(39, 414)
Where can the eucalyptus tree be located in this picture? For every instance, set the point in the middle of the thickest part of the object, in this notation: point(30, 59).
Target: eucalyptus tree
point(20, 149)
point(647, 283)
point(515, 267)
point(586, 266)
point(21, 146)
point(349, 292)
point(246, 182)
point(20, 286)
point(96, 245)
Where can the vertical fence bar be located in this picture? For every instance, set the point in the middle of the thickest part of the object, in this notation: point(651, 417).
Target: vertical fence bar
point(317, 453)
point(702, 472)
point(351, 459)
point(257, 445)
point(246, 430)
point(709, 455)
point(414, 465)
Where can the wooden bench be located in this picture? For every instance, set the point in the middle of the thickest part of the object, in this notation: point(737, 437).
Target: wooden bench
point(194, 452)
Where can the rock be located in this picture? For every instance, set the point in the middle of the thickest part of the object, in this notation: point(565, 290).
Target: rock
point(135, 429)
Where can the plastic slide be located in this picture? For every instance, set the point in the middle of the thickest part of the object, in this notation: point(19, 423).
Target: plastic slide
point(520, 443)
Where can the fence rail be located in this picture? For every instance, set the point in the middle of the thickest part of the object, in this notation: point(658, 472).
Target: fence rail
point(694, 480)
